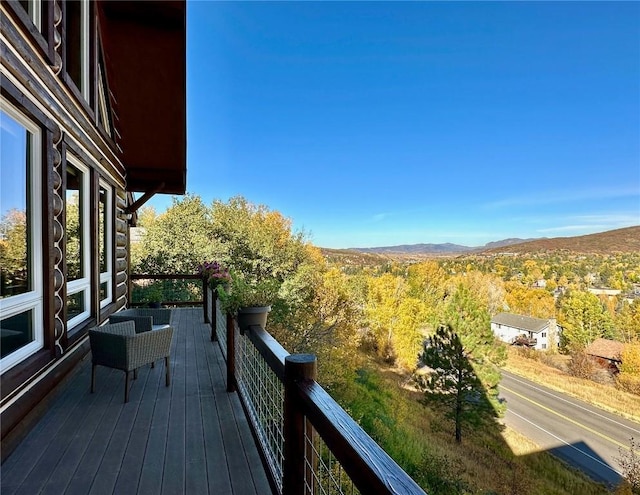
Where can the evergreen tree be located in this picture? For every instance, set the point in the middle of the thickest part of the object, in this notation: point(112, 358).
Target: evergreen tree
point(464, 358)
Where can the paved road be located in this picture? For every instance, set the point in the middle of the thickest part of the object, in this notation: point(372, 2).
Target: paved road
point(583, 435)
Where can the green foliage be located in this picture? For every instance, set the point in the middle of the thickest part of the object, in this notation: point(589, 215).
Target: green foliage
point(13, 253)
point(256, 241)
point(584, 319)
point(452, 384)
point(246, 294)
point(177, 240)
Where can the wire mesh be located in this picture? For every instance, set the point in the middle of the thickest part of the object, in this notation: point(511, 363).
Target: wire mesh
point(323, 474)
point(221, 329)
point(263, 395)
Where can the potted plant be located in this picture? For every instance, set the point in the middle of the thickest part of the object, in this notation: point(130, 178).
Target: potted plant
point(154, 296)
point(215, 274)
point(249, 301)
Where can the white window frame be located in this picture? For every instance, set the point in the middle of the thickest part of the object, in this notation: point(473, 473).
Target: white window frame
point(32, 300)
point(108, 241)
point(82, 284)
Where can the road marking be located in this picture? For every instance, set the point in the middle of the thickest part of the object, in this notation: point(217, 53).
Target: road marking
point(566, 418)
point(567, 443)
point(573, 402)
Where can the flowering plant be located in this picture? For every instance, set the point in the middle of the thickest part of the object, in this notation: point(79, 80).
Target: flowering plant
point(214, 273)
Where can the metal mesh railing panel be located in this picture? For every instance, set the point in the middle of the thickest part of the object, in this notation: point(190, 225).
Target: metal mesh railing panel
point(263, 395)
point(221, 329)
point(324, 475)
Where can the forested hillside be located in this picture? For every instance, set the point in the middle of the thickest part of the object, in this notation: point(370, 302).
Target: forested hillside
point(367, 318)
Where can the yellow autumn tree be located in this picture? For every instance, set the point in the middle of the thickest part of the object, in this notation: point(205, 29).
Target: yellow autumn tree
point(629, 377)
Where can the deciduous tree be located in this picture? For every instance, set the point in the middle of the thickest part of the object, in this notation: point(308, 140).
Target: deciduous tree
point(583, 319)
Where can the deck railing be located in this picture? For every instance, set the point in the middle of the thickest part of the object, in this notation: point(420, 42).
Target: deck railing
point(186, 289)
point(310, 444)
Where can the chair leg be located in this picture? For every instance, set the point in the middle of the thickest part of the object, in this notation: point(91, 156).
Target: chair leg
point(126, 386)
point(135, 374)
point(167, 374)
point(93, 377)
point(153, 365)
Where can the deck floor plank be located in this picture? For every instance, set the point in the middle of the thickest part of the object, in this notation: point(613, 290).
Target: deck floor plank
point(190, 437)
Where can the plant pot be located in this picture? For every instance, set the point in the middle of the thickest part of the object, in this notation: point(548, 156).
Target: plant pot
point(155, 304)
point(255, 315)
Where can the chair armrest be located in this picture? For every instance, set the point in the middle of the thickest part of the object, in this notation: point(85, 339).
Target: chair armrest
point(142, 323)
point(147, 347)
point(109, 344)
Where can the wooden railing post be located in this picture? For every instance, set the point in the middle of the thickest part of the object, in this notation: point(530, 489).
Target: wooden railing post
point(297, 367)
point(214, 316)
point(205, 299)
point(231, 354)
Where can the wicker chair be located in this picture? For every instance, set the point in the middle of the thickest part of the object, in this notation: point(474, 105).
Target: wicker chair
point(118, 346)
point(146, 319)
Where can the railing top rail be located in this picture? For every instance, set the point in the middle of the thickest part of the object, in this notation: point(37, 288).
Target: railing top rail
point(165, 276)
point(269, 348)
point(367, 464)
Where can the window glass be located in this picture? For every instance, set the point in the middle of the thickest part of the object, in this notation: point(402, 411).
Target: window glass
point(75, 304)
point(21, 332)
point(77, 241)
point(104, 243)
point(16, 332)
point(74, 226)
point(15, 238)
point(77, 43)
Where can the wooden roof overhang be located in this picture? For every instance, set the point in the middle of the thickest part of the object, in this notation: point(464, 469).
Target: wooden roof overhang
point(144, 47)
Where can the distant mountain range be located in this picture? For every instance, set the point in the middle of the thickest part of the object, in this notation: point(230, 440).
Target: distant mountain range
point(619, 240)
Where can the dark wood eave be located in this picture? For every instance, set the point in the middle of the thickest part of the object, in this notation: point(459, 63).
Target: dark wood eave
point(144, 45)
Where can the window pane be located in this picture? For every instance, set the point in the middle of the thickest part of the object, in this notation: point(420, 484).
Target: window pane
point(75, 305)
point(104, 290)
point(76, 42)
point(15, 332)
point(15, 227)
point(74, 226)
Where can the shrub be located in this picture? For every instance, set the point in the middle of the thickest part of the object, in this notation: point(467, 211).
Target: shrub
point(582, 366)
point(629, 383)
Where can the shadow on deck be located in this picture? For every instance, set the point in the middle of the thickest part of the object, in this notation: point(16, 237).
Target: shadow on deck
point(191, 437)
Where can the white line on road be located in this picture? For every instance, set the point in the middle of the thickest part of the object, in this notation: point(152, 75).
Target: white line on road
point(512, 377)
point(566, 443)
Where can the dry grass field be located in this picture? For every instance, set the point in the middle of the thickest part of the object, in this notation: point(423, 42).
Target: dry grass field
point(606, 397)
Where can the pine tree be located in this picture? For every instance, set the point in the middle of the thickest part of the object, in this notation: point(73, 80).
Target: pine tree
point(464, 358)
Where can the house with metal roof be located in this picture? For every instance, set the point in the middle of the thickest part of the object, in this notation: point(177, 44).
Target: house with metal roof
point(538, 333)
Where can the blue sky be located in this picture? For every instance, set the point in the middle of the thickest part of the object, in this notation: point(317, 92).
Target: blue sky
point(382, 123)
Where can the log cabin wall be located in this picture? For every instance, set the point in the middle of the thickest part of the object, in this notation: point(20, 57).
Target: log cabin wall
point(75, 138)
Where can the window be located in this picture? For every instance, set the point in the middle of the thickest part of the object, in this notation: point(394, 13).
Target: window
point(103, 112)
point(105, 236)
point(34, 9)
point(544, 346)
point(544, 334)
point(21, 317)
point(77, 242)
point(76, 46)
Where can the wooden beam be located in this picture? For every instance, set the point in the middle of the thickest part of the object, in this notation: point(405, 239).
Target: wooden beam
point(132, 208)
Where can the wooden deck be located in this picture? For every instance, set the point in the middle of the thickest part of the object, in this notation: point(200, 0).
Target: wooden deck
point(190, 438)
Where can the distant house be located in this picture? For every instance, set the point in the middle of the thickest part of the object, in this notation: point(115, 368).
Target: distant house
point(537, 332)
point(604, 291)
point(607, 352)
